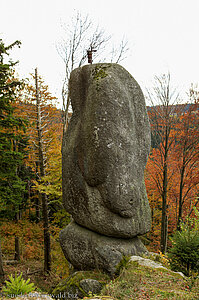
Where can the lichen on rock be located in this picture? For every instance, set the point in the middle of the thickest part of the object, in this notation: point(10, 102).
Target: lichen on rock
point(105, 150)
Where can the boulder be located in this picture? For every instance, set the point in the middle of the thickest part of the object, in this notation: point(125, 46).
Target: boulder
point(105, 150)
point(142, 261)
point(91, 286)
point(79, 284)
point(88, 250)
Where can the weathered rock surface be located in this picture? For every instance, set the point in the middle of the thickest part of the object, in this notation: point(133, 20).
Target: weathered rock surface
point(151, 264)
point(105, 150)
point(89, 250)
point(91, 286)
point(79, 284)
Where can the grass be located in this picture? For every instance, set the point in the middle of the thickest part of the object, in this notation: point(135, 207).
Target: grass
point(139, 282)
point(134, 282)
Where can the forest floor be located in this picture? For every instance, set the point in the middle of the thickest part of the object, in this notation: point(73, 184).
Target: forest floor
point(134, 282)
point(140, 282)
point(32, 269)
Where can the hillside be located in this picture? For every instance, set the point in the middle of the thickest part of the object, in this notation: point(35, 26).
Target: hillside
point(134, 282)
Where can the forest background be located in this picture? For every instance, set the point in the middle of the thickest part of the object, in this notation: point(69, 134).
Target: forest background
point(31, 128)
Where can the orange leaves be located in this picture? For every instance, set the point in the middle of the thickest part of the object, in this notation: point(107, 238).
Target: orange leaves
point(30, 235)
point(175, 154)
point(31, 243)
point(51, 124)
point(51, 119)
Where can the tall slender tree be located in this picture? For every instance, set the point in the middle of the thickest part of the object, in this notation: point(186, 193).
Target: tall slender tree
point(41, 160)
point(163, 120)
point(42, 114)
point(186, 155)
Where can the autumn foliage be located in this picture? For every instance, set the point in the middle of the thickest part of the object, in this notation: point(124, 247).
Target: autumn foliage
point(182, 159)
point(182, 170)
point(182, 165)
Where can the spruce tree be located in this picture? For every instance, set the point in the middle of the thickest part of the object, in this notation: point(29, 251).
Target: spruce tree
point(13, 141)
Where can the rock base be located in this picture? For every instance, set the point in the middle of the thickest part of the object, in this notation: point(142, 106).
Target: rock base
point(87, 250)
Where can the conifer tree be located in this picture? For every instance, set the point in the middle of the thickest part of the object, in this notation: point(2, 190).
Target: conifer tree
point(13, 142)
point(12, 138)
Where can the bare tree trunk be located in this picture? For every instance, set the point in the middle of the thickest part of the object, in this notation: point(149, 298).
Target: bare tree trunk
point(37, 200)
point(163, 242)
point(17, 249)
point(166, 234)
point(17, 245)
point(2, 274)
point(37, 213)
point(47, 245)
point(164, 213)
point(17, 217)
point(180, 196)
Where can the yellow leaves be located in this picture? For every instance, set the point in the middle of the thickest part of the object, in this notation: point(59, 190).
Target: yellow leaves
point(164, 260)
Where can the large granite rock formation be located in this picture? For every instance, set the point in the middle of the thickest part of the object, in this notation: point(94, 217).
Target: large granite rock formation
point(105, 150)
point(88, 250)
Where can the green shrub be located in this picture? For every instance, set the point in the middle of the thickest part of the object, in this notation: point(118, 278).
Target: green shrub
point(184, 254)
point(17, 286)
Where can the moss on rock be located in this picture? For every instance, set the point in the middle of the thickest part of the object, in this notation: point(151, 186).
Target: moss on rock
point(71, 288)
point(122, 264)
point(98, 73)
